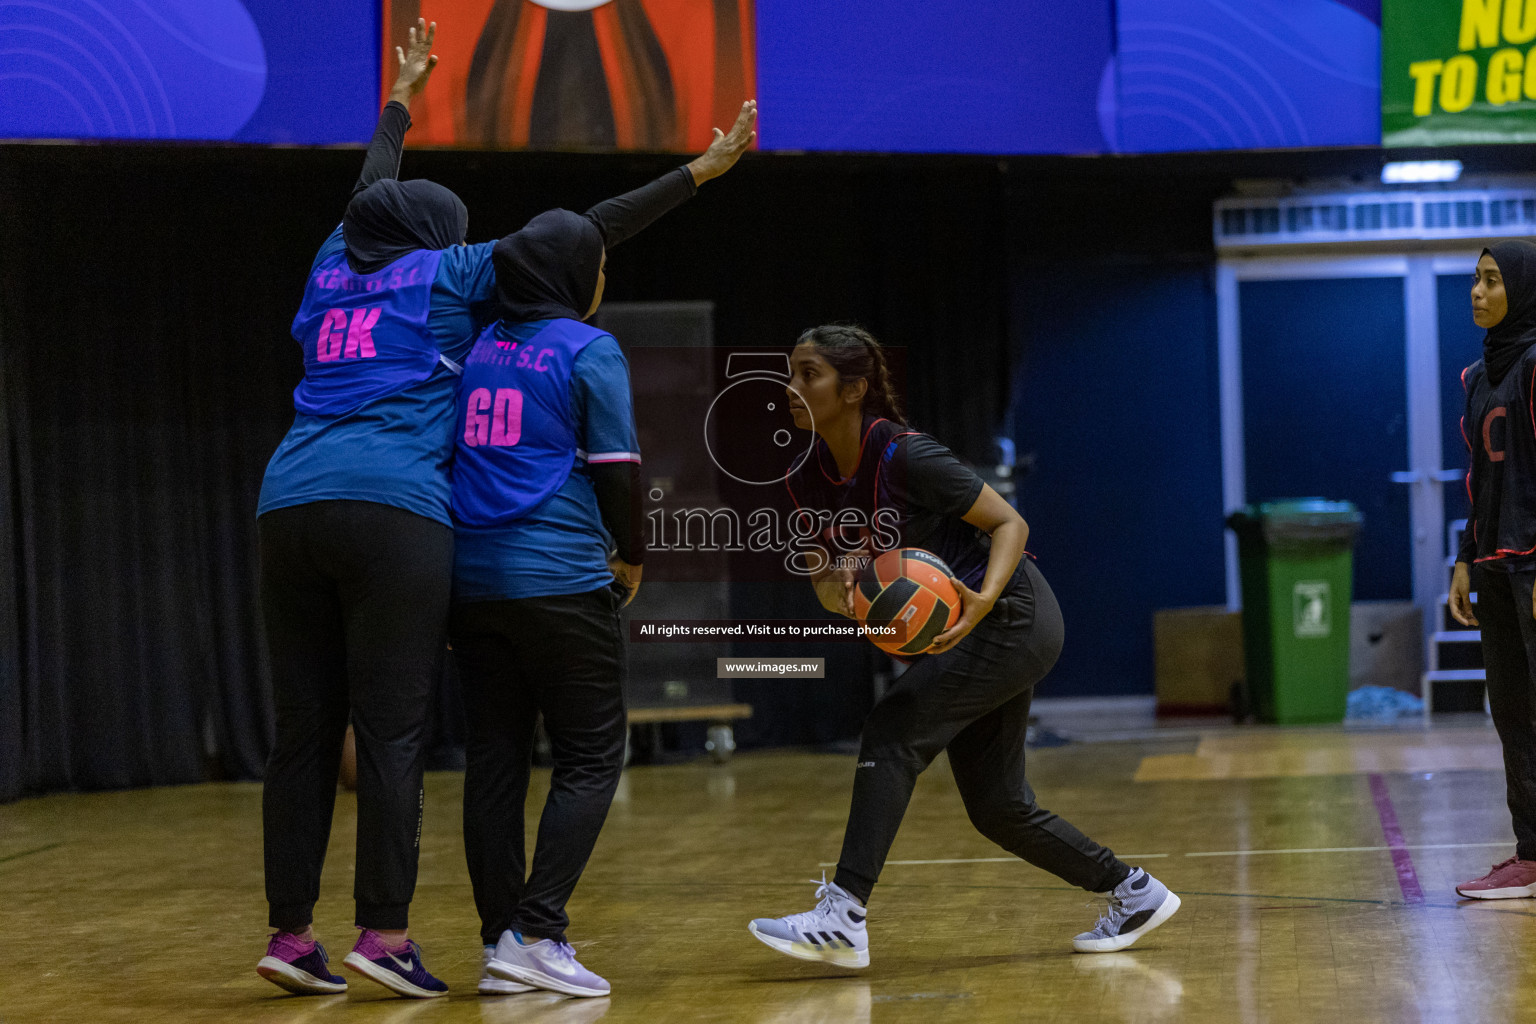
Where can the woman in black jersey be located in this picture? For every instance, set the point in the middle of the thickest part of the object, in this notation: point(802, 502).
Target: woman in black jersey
point(969, 692)
point(1498, 550)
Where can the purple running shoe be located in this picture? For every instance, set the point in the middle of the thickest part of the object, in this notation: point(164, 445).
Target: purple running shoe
point(300, 967)
point(399, 969)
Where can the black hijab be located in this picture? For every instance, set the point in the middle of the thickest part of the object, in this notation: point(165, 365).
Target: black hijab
point(549, 268)
point(1507, 341)
point(390, 218)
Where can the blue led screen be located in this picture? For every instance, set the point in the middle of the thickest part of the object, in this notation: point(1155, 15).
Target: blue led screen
point(1004, 76)
point(1243, 74)
point(259, 71)
point(1020, 76)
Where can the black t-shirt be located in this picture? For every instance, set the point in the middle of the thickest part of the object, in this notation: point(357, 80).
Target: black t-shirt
point(1500, 429)
point(908, 490)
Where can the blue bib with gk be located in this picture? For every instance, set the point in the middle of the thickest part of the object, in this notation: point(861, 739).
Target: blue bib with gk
point(364, 335)
point(517, 434)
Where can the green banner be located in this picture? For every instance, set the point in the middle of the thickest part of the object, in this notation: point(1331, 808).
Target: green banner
point(1455, 72)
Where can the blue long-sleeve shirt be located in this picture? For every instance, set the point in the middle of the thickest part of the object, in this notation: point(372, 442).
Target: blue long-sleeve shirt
point(397, 449)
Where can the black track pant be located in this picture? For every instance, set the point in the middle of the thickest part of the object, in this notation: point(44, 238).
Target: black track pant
point(562, 657)
point(974, 701)
point(1509, 655)
point(355, 598)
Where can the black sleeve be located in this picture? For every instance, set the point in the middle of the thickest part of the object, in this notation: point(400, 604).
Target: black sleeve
point(936, 480)
point(623, 217)
point(383, 158)
point(618, 499)
point(1468, 550)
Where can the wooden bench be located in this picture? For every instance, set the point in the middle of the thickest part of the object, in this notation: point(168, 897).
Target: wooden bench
point(720, 738)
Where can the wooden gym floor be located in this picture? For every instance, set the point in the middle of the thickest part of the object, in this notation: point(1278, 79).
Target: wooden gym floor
point(1316, 867)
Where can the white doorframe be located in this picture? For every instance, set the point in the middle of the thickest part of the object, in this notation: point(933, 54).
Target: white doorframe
point(1423, 475)
point(1423, 471)
point(1229, 368)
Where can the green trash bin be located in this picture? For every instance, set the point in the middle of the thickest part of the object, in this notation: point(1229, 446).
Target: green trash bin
point(1296, 558)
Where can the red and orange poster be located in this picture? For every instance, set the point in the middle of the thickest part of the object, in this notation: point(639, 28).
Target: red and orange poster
point(579, 74)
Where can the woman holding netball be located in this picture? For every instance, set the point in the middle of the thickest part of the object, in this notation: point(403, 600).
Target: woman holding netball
point(1498, 551)
point(969, 692)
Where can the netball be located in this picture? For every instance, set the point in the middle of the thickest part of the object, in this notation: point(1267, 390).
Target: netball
point(909, 588)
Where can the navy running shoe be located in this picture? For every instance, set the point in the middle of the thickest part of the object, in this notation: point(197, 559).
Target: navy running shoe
point(399, 969)
point(300, 967)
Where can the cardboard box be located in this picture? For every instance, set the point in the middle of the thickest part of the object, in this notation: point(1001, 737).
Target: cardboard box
point(1199, 655)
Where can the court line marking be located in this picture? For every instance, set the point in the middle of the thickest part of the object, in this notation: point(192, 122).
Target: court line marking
point(1396, 904)
point(1458, 906)
point(1484, 905)
point(1402, 860)
point(992, 860)
point(1207, 853)
point(1347, 849)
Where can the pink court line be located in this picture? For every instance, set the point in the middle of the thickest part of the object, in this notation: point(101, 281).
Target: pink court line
point(1402, 860)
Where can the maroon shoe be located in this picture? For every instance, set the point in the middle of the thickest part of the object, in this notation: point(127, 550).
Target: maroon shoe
point(1514, 879)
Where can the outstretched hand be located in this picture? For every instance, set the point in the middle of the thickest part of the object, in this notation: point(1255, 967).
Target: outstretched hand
point(416, 63)
point(727, 148)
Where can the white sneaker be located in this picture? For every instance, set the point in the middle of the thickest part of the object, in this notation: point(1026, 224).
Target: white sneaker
point(543, 963)
point(1136, 906)
point(833, 933)
point(490, 985)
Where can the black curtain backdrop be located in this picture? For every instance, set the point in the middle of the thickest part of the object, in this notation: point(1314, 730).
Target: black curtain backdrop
point(146, 371)
point(144, 380)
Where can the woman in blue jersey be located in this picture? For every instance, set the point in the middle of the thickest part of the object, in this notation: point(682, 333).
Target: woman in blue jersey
point(969, 691)
point(549, 545)
point(356, 542)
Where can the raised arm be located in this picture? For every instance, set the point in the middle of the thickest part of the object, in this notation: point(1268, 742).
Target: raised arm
point(416, 64)
point(625, 216)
